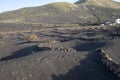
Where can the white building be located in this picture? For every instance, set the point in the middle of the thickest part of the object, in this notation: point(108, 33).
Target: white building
point(117, 21)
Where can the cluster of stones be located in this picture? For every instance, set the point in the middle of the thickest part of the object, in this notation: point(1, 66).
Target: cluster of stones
point(98, 39)
point(62, 49)
point(110, 64)
point(55, 47)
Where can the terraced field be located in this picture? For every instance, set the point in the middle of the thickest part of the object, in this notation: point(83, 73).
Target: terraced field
point(59, 53)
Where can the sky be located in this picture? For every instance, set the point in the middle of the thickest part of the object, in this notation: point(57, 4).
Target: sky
point(7, 5)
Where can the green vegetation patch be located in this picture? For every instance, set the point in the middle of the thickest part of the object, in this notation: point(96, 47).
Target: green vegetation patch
point(63, 6)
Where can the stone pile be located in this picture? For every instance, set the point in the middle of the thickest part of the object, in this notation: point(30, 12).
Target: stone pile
point(56, 46)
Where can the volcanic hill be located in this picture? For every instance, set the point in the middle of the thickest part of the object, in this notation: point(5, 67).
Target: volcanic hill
point(83, 11)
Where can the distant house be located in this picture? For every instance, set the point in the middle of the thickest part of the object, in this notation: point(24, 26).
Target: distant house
point(117, 21)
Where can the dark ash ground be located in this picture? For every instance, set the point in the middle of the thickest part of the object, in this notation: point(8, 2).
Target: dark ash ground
point(24, 60)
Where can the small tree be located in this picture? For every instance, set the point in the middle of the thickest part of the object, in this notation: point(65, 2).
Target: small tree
point(99, 20)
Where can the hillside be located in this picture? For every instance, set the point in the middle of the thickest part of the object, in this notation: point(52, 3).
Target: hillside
point(100, 3)
point(62, 6)
point(36, 13)
point(83, 11)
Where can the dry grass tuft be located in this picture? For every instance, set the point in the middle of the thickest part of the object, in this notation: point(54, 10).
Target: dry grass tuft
point(32, 38)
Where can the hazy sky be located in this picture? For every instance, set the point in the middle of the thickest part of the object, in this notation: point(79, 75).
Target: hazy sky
point(6, 5)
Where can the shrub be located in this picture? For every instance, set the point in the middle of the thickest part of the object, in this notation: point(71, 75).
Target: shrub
point(32, 38)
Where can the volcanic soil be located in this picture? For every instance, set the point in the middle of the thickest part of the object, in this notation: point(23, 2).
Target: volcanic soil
point(57, 54)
